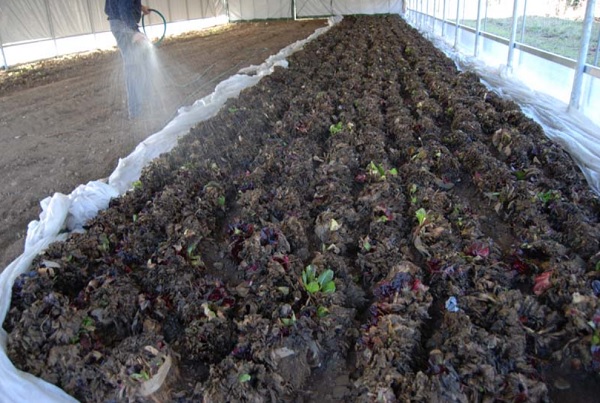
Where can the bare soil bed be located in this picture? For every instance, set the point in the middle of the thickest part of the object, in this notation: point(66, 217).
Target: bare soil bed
point(368, 225)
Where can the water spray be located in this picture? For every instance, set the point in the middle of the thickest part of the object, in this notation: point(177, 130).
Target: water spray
point(164, 22)
point(166, 78)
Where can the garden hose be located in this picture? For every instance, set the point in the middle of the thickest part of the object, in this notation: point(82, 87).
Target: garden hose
point(164, 21)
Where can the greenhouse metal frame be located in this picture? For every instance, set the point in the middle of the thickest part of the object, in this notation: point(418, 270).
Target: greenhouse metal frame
point(446, 18)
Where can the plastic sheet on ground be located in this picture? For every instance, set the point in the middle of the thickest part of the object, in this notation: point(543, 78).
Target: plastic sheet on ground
point(66, 213)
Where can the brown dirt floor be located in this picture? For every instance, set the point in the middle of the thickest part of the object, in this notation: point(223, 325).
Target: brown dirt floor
point(63, 122)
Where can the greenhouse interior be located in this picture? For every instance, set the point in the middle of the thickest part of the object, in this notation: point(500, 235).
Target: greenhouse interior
point(321, 201)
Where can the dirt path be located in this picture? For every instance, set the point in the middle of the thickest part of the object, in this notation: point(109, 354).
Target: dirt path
point(63, 123)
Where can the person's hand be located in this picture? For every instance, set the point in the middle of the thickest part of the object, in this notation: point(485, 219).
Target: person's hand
point(145, 10)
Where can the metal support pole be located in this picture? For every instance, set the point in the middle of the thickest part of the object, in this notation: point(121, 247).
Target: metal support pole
point(51, 26)
point(413, 11)
point(427, 13)
point(513, 35)
point(417, 12)
point(485, 18)
point(444, 19)
point(477, 29)
point(187, 10)
point(92, 25)
point(89, 10)
point(294, 10)
point(4, 62)
point(456, 25)
point(597, 49)
point(524, 19)
point(588, 21)
point(434, 17)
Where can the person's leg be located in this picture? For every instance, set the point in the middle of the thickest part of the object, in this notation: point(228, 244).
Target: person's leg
point(131, 66)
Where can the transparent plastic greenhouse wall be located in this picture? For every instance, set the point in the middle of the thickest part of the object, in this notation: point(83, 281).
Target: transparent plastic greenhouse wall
point(539, 80)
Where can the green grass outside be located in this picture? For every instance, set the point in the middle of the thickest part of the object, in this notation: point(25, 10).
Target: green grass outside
point(550, 34)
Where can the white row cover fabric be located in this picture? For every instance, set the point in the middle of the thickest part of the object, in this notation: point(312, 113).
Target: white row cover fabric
point(66, 213)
